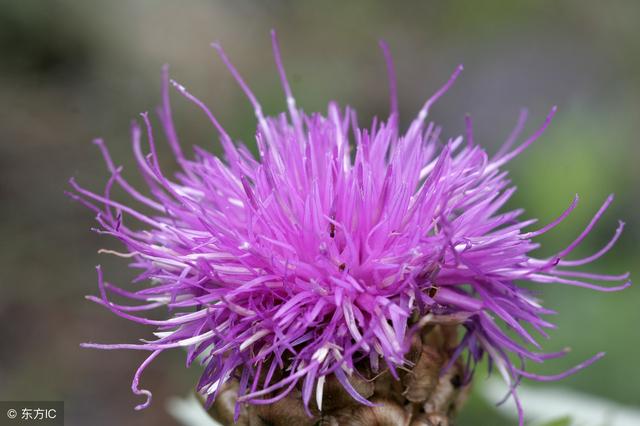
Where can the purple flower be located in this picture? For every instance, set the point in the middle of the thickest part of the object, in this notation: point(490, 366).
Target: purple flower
point(283, 269)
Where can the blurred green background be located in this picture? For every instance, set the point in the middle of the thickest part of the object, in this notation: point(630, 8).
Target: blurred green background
point(74, 70)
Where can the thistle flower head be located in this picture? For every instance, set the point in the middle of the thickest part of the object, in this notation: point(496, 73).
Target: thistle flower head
point(330, 248)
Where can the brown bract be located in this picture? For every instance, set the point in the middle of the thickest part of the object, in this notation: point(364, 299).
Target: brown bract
point(422, 397)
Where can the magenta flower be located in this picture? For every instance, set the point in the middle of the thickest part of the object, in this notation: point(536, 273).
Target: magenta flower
point(283, 269)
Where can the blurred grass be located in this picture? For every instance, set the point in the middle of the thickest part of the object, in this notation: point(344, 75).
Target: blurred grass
point(71, 71)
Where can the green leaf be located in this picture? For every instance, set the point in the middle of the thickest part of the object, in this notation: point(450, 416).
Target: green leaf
point(562, 421)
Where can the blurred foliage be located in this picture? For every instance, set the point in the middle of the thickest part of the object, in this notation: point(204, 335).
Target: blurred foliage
point(564, 421)
point(75, 70)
